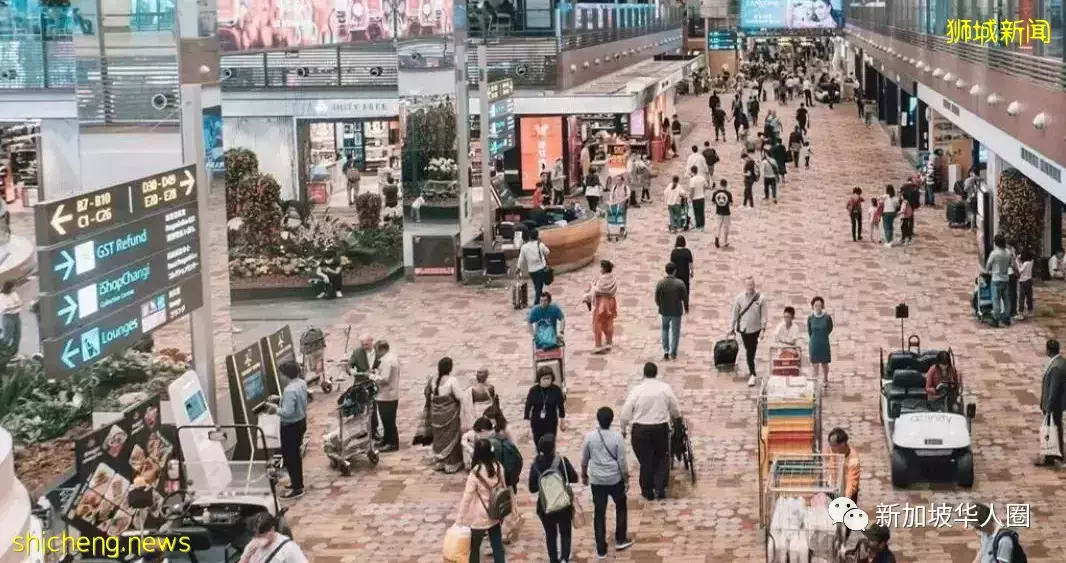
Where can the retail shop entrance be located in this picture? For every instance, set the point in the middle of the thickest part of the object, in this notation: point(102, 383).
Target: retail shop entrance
point(325, 145)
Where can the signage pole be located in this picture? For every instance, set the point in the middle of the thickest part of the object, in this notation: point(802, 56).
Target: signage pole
point(192, 148)
point(462, 127)
point(486, 160)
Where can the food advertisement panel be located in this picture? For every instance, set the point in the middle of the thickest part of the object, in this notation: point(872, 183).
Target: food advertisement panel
point(791, 14)
point(132, 451)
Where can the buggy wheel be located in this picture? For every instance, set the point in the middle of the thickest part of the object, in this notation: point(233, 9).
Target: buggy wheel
point(373, 457)
point(964, 470)
point(332, 463)
point(690, 461)
point(346, 468)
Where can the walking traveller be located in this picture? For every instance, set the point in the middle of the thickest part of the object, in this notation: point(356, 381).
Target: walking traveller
point(675, 134)
point(675, 204)
point(769, 177)
point(795, 143)
point(696, 160)
point(443, 416)
point(546, 323)
point(605, 468)
point(681, 258)
point(550, 478)
point(889, 207)
point(267, 544)
point(751, 174)
point(723, 201)
point(999, 264)
point(802, 119)
point(601, 298)
point(353, 178)
point(906, 222)
point(819, 327)
point(292, 412)
point(533, 260)
point(753, 109)
point(593, 191)
point(11, 320)
point(486, 475)
point(997, 542)
point(545, 407)
point(739, 117)
point(718, 120)
point(710, 156)
point(748, 317)
point(387, 378)
point(558, 183)
point(808, 92)
point(697, 189)
point(650, 407)
point(1053, 396)
point(854, 208)
point(671, 297)
point(1025, 285)
point(874, 217)
point(780, 158)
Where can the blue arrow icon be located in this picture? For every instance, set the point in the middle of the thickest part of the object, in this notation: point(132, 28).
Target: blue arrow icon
point(66, 266)
point(70, 350)
point(69, 311)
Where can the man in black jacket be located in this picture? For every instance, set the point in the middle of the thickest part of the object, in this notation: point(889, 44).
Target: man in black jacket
point(780, 156)
point(718, 119)
point(671, 296)
point(364, 358)
point(1053, 396)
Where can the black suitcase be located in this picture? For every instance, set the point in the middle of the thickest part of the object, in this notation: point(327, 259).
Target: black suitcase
point(725, 353)
point(956, 213)
point(520, 295)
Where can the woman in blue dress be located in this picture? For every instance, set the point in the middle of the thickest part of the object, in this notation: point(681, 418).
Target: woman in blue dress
point(819, 327)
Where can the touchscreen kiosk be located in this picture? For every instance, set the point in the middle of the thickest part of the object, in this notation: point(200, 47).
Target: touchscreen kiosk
point(205, 460)
point(277, 348)
point(249, 388)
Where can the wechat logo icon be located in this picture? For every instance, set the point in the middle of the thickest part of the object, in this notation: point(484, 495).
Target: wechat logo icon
point(843, 511)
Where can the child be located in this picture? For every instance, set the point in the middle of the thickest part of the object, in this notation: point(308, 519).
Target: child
point(1025, 285)
point(805, 154)
point(875, 219)
point(760, 145)
point(906, 225)
point(854, 207)
point(416, 208)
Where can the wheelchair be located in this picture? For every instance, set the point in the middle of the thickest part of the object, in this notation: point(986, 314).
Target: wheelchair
point(681, 448)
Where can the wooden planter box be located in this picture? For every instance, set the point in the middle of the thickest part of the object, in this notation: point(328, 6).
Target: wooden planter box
point(269, 287)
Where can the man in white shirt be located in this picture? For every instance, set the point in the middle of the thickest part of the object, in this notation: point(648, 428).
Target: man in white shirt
point(387, 377)
point(748, 317)
point(650, 408)
point(769, 176)
point(997, 542)
point(697, 187)
point(808, 90)
point(675, 204)
point(696, 160)
point(1056, 265)
point(268, 545)
point(787, 332)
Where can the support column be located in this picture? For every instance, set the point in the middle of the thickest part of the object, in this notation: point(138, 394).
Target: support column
point(992, 174)
point(60, 165)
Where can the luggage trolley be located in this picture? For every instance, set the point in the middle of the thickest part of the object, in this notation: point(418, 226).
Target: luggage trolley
point(353, 437)
point(553, 357)
point(313, 358)
point(786, 361)
point(616, 222)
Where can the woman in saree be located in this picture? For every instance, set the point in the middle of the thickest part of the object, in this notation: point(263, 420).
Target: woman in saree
point(601, 299)
point(445, 416)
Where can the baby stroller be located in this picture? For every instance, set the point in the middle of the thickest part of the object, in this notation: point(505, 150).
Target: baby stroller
point(616, 222)
point(352, 437)
point(981, 300)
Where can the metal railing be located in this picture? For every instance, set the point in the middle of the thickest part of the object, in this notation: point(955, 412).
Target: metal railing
point(1045, 72)
point(36, 48)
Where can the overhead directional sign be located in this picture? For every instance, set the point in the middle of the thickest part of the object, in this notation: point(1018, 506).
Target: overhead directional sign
point(501, 125)
point(500, 89)
point(64, 312)
point(121, 329)
point(63, 220)
point(70, 264)
point(721, 39)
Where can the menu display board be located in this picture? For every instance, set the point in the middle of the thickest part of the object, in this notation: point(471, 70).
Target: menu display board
point(133, 450)
point(791, 14)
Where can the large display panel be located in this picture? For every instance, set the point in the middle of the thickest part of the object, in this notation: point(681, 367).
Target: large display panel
point(254, 25)
point(791, 14)
point(542, 144)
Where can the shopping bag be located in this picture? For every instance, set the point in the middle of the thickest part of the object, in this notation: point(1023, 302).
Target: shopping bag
point(457, 544)
point(578, 518)
point(512, 525)
point(1049, 439)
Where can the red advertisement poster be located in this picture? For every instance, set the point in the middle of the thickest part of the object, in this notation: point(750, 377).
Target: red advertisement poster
point(542, 144)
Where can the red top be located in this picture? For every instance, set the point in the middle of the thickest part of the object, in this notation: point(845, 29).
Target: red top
point(935, 376)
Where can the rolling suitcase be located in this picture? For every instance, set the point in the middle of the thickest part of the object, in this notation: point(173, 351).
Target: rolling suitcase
point(725, 353)
point(956, 214)
point(520, 295)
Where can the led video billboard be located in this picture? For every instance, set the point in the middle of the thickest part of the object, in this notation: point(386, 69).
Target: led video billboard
point(254, 25)
point(791, 14)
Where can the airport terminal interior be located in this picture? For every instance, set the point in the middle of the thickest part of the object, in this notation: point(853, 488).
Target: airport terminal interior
point(647, 281)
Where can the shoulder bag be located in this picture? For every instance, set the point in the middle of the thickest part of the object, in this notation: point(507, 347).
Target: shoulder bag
point(270, 557)
point(549, 273)
point(736, 327)
point(610, 453)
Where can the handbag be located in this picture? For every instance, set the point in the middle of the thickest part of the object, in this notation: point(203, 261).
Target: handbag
point(549, 273)
point(1049, 438)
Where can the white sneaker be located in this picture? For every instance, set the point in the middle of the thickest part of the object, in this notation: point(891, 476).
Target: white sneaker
point(339, 294)
point(322, 295)
point(888, 245)
point(751, 381)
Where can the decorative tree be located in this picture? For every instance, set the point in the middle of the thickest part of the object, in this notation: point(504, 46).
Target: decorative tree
point(368, 208)
point(257, 201)
point(240, 164)
point(1020, 204)
point(430, 134)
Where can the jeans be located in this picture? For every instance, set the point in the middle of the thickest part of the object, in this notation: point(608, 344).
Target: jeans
point(930, 196)
point(292, 438)
point(677, 216)
point(698, 212)
point(671, 334)
point(1000, 301)
point(888, 223)
point(594, 201)
point(390, 436)
point(651, 444)
point(807, 98)
point(856, 226)
point(748, 199)
point(751, 347)
point(723, 229)
point(600, 494)
point(769, 185)
point(495, 540)
point(719, 128)
point(1025, 296)
point(537, 278)
point(1012, 295)
point(558, 529)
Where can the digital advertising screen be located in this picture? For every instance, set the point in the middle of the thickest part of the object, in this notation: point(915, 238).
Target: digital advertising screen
point(542, 144)
point(791, 14)
point(255, 25)
point(254, 387)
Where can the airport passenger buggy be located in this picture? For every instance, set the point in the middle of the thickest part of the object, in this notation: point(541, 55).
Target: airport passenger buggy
point(616, 222)
point(786, 361)
point(353, 437)
point(725, 354)
point(549, 350)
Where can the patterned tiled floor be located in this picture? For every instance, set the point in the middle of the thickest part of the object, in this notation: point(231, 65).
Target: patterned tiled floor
point(398, 511)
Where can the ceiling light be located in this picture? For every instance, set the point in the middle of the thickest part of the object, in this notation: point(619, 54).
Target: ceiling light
point(975, 90)
point(1013, 108)
point(937, 72)
point(949, 77)
point(960, 83)
point(1040, 121)
point(993, 99)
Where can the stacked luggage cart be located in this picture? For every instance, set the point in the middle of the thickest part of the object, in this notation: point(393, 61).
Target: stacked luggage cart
point(796, 517)
point(790, 422)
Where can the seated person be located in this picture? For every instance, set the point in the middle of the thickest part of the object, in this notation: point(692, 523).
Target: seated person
point(546, 323)
point(941, 372)
point(787, 332)
point(1056, 265)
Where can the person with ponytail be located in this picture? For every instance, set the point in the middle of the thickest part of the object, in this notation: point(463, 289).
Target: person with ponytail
point(443, 419)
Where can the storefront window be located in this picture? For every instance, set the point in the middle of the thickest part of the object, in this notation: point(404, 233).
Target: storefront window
point(1053, 14)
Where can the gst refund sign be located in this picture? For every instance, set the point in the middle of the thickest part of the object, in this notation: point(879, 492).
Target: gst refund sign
point(62, 220)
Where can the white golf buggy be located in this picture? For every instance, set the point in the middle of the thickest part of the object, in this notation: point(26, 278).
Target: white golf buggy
point(924, 433)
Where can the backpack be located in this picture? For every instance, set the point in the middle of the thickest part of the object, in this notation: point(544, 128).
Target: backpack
point(555, 494)
point(1018, 553)
point(501, 498)
point(510, 458)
